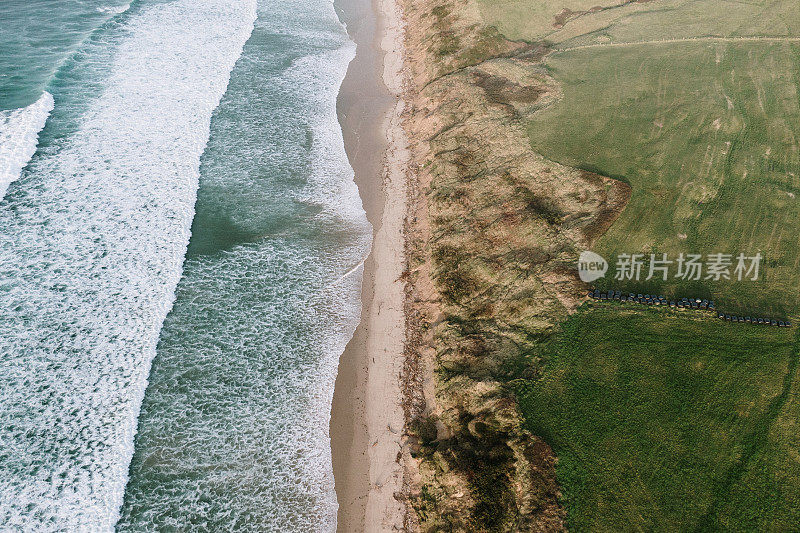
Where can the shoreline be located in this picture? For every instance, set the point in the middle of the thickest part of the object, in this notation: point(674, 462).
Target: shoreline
point(366, 425)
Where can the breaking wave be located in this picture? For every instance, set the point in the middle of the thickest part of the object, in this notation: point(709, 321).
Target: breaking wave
point(91, 251)
point(113, 10)
point(19, 134)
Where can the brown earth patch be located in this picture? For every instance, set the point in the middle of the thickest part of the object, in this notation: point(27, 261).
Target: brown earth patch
point(502, 90)
point(618, 194)
point(566, 14)
point(563, 16)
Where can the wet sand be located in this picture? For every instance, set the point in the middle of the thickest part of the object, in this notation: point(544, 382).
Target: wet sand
point(366, 417)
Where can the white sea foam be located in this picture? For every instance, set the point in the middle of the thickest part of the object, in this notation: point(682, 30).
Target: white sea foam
point(339, 306)
point(238, 411)
point(113, 10)
point(90, 256)
point(19, 134)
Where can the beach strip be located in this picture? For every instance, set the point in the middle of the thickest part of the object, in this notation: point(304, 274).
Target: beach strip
point(367, 417)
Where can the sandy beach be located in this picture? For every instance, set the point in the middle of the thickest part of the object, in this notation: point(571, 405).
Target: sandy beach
point(367, 418)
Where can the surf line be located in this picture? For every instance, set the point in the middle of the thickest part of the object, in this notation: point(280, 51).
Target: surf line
point(349, 272)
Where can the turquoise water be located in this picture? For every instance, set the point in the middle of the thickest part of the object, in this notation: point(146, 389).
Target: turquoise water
point(36, 37)
point(191, 175)
point(41, 45)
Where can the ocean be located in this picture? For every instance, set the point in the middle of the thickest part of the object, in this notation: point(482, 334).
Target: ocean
point(181, 247)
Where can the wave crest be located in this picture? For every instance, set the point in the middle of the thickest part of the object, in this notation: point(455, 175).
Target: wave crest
point(19, 135)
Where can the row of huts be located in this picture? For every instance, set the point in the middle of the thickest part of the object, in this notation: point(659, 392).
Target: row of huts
point(754, 320)
point(682, 303)
point(652, 299)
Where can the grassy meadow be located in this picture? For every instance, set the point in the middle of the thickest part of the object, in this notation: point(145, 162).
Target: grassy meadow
point(566, 23)
point(707, 136)
point(656, 431)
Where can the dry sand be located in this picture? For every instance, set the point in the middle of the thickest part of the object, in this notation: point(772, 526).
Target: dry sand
point(367, 417)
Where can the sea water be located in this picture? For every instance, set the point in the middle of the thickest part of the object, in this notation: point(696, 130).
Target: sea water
point(202, 123)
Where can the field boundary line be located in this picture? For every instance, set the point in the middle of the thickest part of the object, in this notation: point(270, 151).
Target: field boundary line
point(681, 40)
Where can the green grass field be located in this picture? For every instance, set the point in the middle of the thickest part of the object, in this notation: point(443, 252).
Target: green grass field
point(707, 136)
point(657, 431)
point(580, 22)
